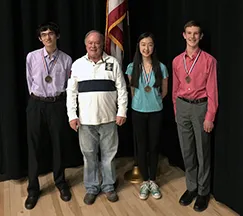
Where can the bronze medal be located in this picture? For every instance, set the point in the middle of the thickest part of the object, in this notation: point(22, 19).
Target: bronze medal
point(48, 79)
point(147, 77)
point(147, 88)
point(188, 79)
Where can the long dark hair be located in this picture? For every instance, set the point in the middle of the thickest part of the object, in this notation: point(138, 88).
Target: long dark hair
point(137, 63)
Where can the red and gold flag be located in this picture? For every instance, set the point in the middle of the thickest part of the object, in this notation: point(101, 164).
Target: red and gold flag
point(115, 14)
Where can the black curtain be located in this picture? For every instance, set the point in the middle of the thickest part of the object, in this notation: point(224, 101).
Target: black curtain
point(165, 19)
point(222, 21)
point(223, 38)
point(19, 20)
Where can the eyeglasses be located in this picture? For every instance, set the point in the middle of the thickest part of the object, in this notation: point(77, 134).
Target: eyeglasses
point(49, 34)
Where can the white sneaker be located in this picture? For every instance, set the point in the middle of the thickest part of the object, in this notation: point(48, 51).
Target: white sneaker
point(144, 190)
point(154, 188)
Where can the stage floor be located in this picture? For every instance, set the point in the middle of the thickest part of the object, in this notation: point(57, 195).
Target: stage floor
point(170, 179)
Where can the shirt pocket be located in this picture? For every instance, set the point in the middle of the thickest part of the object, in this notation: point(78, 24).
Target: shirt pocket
point(59, 68)
point(60, 76)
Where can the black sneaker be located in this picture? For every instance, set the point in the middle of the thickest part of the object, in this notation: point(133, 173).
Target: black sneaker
point(89, 198)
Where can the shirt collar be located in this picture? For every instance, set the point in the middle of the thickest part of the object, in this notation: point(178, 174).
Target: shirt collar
point(193, 55)
point(54, 55)
point(103, 58)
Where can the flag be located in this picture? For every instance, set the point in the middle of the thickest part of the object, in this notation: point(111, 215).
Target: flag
point(115, 14)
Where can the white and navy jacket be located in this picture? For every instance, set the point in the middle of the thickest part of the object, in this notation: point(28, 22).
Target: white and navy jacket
point(101, 90)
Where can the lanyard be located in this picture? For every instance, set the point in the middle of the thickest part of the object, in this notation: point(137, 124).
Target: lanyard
point(192, 66)
point(49, 70)
point(146, 77)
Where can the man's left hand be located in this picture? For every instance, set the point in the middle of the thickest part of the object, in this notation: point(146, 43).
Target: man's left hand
point(120, 120)
point(208, 126)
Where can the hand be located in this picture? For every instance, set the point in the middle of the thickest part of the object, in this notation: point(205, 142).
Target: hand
point(120, 120)
point(208, 126)
point(75, 124)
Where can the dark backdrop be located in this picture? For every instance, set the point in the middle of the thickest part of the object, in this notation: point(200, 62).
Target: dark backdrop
point(19, 20)
point(222, 21)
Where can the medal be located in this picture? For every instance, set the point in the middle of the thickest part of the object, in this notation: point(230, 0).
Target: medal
point(147, 77)
point(48, 79)
point(147, 88)
point(188, 78)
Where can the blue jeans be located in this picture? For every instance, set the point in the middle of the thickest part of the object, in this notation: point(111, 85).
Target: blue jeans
point(91, 137)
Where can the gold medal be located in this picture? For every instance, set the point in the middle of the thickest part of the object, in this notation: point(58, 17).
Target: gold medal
point(48, 79)
point(147, 88)
point(188, 79)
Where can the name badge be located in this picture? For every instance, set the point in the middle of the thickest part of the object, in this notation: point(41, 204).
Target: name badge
point(109, 66)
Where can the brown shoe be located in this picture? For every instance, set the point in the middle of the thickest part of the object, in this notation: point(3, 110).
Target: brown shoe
point(111, 196)
point(89, 198)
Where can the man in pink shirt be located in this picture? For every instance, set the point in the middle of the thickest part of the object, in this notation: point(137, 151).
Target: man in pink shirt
point(195, 99)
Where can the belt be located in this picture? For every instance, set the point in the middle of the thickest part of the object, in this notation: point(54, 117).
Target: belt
point(49, 99)
point(195, 101)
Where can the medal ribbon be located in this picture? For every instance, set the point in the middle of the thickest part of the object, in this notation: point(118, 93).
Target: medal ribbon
point(193, 64)
point(146, 77)
point(45, 63)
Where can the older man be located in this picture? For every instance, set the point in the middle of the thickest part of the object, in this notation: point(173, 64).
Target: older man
point(98, 81)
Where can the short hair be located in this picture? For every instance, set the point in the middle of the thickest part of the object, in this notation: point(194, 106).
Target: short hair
point(102, 38)
point(193, 23)
point(48, 25)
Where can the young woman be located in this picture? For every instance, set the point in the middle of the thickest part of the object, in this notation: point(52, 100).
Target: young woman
point(148, 80)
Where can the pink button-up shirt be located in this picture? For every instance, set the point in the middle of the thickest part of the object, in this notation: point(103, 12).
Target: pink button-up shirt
point(36, 72)
point(203, 81)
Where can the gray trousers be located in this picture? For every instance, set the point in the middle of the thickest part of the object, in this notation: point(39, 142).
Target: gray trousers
point(195, 145)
